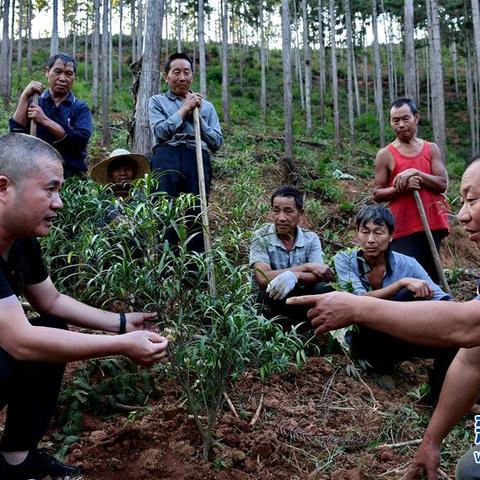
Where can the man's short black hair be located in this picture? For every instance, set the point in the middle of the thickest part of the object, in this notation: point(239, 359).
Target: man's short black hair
point(474, 158)
point(400, 102)
point(65, 58)
point(289, 191)
point(377, 214)
point(176, 56)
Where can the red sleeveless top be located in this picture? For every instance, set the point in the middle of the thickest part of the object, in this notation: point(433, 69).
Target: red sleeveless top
point(404, 207)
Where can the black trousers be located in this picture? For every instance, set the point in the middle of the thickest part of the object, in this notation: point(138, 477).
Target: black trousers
point(291, 315)
point(384, 352)
point(176, 169)
point(30, 392)
point(416, 246)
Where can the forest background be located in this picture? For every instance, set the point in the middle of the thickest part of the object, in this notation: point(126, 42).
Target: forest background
point(313, 112)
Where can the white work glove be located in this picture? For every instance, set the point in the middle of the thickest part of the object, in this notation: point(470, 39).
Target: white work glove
point(281, 285)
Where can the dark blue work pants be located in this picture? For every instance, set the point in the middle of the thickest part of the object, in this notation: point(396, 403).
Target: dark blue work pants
point(177, 173)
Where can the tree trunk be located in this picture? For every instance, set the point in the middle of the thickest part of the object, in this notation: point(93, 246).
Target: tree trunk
point(378, 76)
point(150, 76)
point(120, 40)
point(410, 69)
point(287, 78)
point(298, 62)
point(201, 48)
point(74, 40)
point(333, 52)
point(365, 74)
point(110, 55)
point(106, 134)
point(391, 92)
point(95, 55)
point(476, 32)
point(165, 14)
point(321, 59)
point(85, 61)
point(454, 55)
point(263, 77)
point(351, 119)
point(429, 83)
point(29, 38)
point(133, 30)
point(54, 37)
point(355, 77)
point(470, 99)
point(4, 58)
point(438, 97)
point(140, 29)
point(308, 69)
point(20, 45)
point(179, 26)
point(225, 105)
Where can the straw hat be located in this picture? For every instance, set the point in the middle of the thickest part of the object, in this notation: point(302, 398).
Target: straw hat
point(99, 172)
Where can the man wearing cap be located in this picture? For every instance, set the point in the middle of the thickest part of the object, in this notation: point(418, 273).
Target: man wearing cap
point(62, 120)
point(171, 121)
point(34, 351)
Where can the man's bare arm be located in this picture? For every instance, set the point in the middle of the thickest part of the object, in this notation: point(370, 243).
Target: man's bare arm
point(425, 323)
point(460, 391)
point(382, 192)
point(264, 273)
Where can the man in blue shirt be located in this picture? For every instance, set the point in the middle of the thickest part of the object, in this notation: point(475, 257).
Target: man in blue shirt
point(287, 260)
point(63, 120)
point(171, 121)
point(375, 270)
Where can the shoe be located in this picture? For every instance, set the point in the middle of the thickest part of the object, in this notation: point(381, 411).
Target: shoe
point(38, 465)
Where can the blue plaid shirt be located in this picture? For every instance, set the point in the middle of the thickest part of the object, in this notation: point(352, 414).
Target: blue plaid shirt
point(352, 270)
point(75, 118)
point(170, 129)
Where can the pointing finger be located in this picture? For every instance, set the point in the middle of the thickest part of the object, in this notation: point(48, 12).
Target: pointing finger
point(303, 300)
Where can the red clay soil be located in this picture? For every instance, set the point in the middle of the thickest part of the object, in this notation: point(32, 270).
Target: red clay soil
point(315, 423)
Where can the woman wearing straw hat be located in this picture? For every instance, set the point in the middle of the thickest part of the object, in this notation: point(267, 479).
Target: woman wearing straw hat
point(119, 169)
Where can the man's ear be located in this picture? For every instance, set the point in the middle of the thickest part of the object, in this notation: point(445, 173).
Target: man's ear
point(4, 184)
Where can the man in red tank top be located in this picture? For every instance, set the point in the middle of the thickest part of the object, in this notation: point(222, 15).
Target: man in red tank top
point(407, 164)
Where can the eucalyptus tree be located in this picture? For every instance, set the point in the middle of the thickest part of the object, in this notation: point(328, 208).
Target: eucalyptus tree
point(133, 31)
point(120, 43)
point(201, 48)
point(54, 37)
point(20, 43)
point(476, 32)
point(350, 61)
point(308, 68)
point(296, 52)
point(378, 75)
point(287, 77)
point(225, 102)
point(179, 26)
point(140, 29)
point(29, 36)
point(409, 42)
point(95, 54)
point(436, 69)
point(263, 76)
point(106, 133)
point(149, 77)
point(321, 61)
point(5, 71)
point(333, 57)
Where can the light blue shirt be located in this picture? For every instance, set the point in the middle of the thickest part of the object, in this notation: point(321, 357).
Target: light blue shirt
point(352, 270)
point(169, 128)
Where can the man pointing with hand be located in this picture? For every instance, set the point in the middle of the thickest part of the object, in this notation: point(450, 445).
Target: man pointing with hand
point(438, 324)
